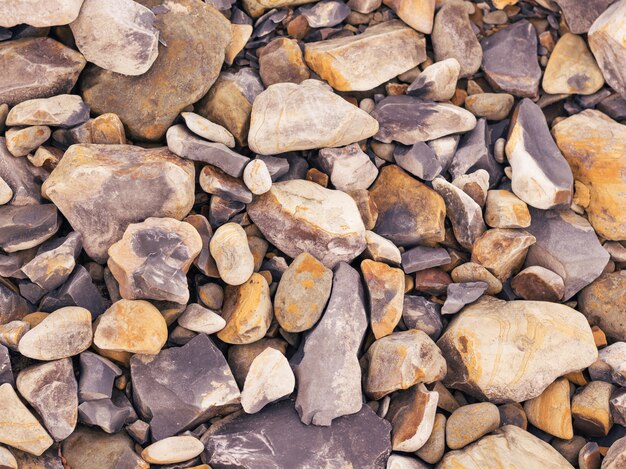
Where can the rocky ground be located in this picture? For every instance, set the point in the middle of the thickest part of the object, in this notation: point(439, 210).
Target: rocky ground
point(284, 234)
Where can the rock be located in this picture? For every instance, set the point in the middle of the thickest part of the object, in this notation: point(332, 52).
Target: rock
point(149, 103)
point(216, 182)
point(550, 411)
point(571, 68)
point(93, 448)
point(199, 319)
point(78, 290)
point(589, 456)
point(7, 459)
point(419, 160)
point(20, 429)
point(461, 294)
point(103, 413)
point(412, 415)
point(510, 60)
point(602, 302)
point(97, 375)
point(364, 6)
point(326, 366)
point(293, 217)
point(6, 193)
point(173, 450)
point(556, 340)
point(423, 257)
point(326, 13)
point(54, 262)
point(103, 189)
point(407, 120)
point(510, 447)
point(596, 162)
point(108, 129)
point(204, 262)
point(606, 39)
point(491, 106)
point(385, 287)
point(364, 61)
point(131, 326)
point(38, 14)
point(269, 379)
point(65, 110)
point(240, 357)
point(472, 272)
point(437, 82)
point(222, 210)
point(419, 313)
point(580, 17)
point(12, 332)
point(6, 373)
point(616, 455)
point(469, 423)
point(505, 210)
point(381, 249)
point(418, 14)
point(538, 283)
point(281, 61)
point(611, 359)
point(473, 155)
point(182, 386)
point(21, 141)
point(359, 440)
point(400, 361)
point(541, 176)
point(502, 251)
point(288, 117)
point(590, 408)
point(396, 461)
point(229, 247)
point(37, 67)
point(18, 175)
point(302, 293)
point(350, 169)
point(567, 245)
point(454, 38)
point(257, 177)
point(64, 333)
point(207, 129)
point(240, 33)
point(26, 226)
point(408, 211)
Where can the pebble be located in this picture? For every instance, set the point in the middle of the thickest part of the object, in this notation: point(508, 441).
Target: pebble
point(491, 106)
point(412, 416)
point(6, 193)
point(281, 61)
point(468, 423)
point(419, 313)
point(97, 375)
point(475, 184)
point(325, 14)
point(241, 356)
point(550, 411)
point(206, 129)
point(417, 14)
point(461, 294)
point(590, 456)
point(173, 450)
point(199, 319)
point(609, 366)
point(437, 82)
point(269, 379)
point(12, 332)
point(397, 461)
point(257, 177)
point(505, 210)
point(419, 160)
point(216, 182)
point(364, 6)
point(433, 450)
point(381, 249)
point(502, 251)
point(64, 110)
point(590, 408)
point(88, 447)
point(7, 459)
point(473, 272)
point(385, 286)
point(349, 168)
point(539, 284)
point(108, 129)
point(21, 141)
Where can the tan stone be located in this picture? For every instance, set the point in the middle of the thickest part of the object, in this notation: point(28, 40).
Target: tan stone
point(240, 33)
point(282, 61)
point(37, 13)
point(603, 302)
point(472, 272)
point(502, 251)
point(550, 411)
point(207, 129)
point(468, 423)
point(385, 286)
point(591, 409)
point(255, 8)
point(7, 460)
point(491, 106)
point(505, 210)
point(21, 141)
point(419, 14)
point(229, 247)
point(173, 450)
point(435, 446)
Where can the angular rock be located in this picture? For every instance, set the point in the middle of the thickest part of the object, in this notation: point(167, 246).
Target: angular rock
point(502, 251)
point(419, 160)
point(461, 294)
point(257, 177)
point(204, 262)
point(7, 459)
point(38, 14)
point(26, 226)
point(412, 415)
point(199, 319)
point(472, 272)
point(65, 110)
point(543, 341)
point(240, 357)
point(6, 373)
point(550, 411)
point(173, 450)
point(423, 257)
point(21, 141)
point(470, 422)
point(240, 33)
point(538, 283)
point(580, 16)
point(103, 413)
point(231, 251)
point(610, 364)
point(269, 379)
point(419, 313)
point(12, 332)
point(418, 14)
point(385, 287)
point(216, 182)
point(325, 14)
point(288, 117)
point(207, 129)
point(349, 168)
point(108, 129)
point(437, 82)
point(97, 375)
point(616, 455)
point(590, 408)
point(54, 262)
point(17, 173)
point(181, 75)
point(473, 154)
point(491, 106)
point(475, 184)
point(78, 290)
point(602, 302)
point(505, 210)
point(281, 61)
point(93, 448)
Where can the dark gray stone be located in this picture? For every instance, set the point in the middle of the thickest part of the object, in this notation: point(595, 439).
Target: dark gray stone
point(614, 106)
point(26, 226)
point(11, 264)
point(104, 414)
point(54, 262)
point(473, 154)
point(581, 15)
point(298, 167)
point(204, 262)
point(12, 305)
point(461, 294)
point(97, 376)
point(423, 257)
point(31, 291)
point(419, 313)
point(139, 431)
point(6, 371)
point(221, 210)
point(18, 174)
point(326, 14)
point(419, 160)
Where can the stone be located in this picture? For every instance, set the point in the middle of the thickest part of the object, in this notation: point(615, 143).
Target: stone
point(510, 60)
point(616, 455)
point(596, 162)
point(131, 326)
point(419, 313)
point(590, 408)
point(505, 210)
point(108, 129)
point(473, 155)
point(54, 262)
point(214, 181)
point(602, 302)
point(407, 120)
point(433, 450)
point(240, 34)
point(363, 61)
point(152, 259)
point(580, 17)
point(207, 129)
point(102, 189)
point(470, 422)
point(396, 461)
point(64, 110)
point(454, 38)
point(240, 357)
point(326, 365)
point(419, 14)
point(302, 293)
point(412, 415)
point(502, 251)
point(7, 460)
point(409, 212)
point(325, 14)
point(589, 456)
point(550, 411)
point(18, 176)
point(173, 450)
point(571, 68)
point(37, 67)
point(359, 440)
point(63, 333)
point(269, 379)
point(472, 272)
point(464, 213)
point(541, 176)
point(6, 373)
point(569, 449)
point(349, 168)
point(437, 82)
point(612, 359)
point(293, 216)
point(461, 294)
point(229, 247)
point(180, 75)
point(26, 226)
point(489, 365)
point(97, 375)
point(491, 106)
point(182, 387)
point(40, 15)
point(88, 447)
point(423, 257)
point(509, 447)
point(385, 287)
point(567, 245)
point(257, 177)
point(6, 193)
point(204, 261)
point(103, 413)
point(364, 6)
point(20, 428)
point(78, 290)
point(288, 117)
point(199, 319)
point(281, 61)
point(401, 360)
point(21, 141)
point(381, 249)
point(539, 284)
point(606, 39)
point(419, 160)
point(12, 332)
point(222, 210)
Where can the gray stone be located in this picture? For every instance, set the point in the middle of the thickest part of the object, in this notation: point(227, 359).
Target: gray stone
point(222, 210)
point(437, 82)
point(20, 177)
point(423, 257)
point(21, 141)
point(277, 166)
point(473, 154)
point(26, 226)
point(419, 313)
point(580, 16)
point(216, 182)
point(139, 431)
point(326, 365)
point(54, 262)
point(610, 365)
point(616, 455)
point(461, 294)
point(349, 168)
point(364, 6)
point(444, 148)
point(40, 14)
point(6, 372)
point(12, 305)
point(104, 414)
point(182, 387)
point(78, 290)
point(64, 110)
point(97, 375)
point(204, 262)
point(419, 160)
point(325, 14)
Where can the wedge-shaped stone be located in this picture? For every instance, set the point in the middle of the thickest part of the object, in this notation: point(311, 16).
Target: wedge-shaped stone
point(101, 189)
point(412, 416)
point(54, 262)
point(269, 379)
point(419, 14)
point(22, 141)
point(97, 375)
point(287, 117)
point(198, 319)
point(26, 226)
point(385, 287)
point(40, 14)
point(541, 341)
point(64, 110)
point(438, 81)
point(206, 129)
point(470, 422)
point(282, 61)
point(550, 411)
point(18, 174)
point(350, 169)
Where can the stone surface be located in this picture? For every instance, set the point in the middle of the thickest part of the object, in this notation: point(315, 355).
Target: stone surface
point(423, 257)
point(293, 216)
point(88, 447)
point(502, 251)
point(26, 226)
point(281, 61)
point(590, 408)
point(363, 61)
point(437, 82)
point(240, 357)
point(469, 423)
point(199, 319)
point(419, 313)
point(78, 290)
point(412, 416)
point(435, 446)
point(419, 14)
point(326, 13)
point(38, 14)
point(491, 106)
point(288, 117)
point(461, 294)
point(611, 360)
point(349, 168)
point(580, 17)
point(173, 450)
point(206, 129)
point(214, 181)
point(326, 365)
point(419, 160)
point(269, 379)
point(6, 193)
point(472, 272)
point(505, 210)
point(385, 286)
point(18, 175)
point(538, 283)
point(257, 177)
point(487, 363)
point(97, 375)
point(7, 459)
point(54, 262)
point(616, 455)
point(550, 411)
point(64, 110)
point(21, 141)
point(473, 155)
point(603, 303)
point(229, 247)
point(204, 261)
point(181, 75)
point(240, 34)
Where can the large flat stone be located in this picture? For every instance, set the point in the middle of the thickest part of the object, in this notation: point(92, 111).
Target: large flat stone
point(38, 13)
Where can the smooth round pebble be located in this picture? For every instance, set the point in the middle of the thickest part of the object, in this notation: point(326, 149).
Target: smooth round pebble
point(257, 177)
point(470, 422)
point(173, 450)
point(229, 247)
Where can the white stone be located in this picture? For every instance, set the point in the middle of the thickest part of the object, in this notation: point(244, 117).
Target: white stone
point(269, 378)
point(257, 177)
point(6, 194)
point(206, 129)
point(199, 319)
point(229, 247)
point(173, 450)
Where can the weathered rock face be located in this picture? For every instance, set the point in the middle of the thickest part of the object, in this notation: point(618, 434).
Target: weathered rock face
point(326, 365)
point(505, 210)
point(551, 412)
point(18, 175)
point(538, 283)
point(350, 169)
point(581, 16)
point(38, 14)
point(182, 386)
point(94, 448)
point(102, 189)
point(364, 61)
point(437, 82)
point(26, 226)
point(330, 227)
point(359, 440)
point(604, 304)
point(180, 76)
point(326, 13)
point(282, 61)
point(542, 342)
point(288, 117)
point(470, 422)
point(594, 146)
point(64, 110)
point(129, 43)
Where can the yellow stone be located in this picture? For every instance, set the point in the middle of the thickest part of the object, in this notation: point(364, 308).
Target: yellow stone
point(385, 286)
point(550, 411)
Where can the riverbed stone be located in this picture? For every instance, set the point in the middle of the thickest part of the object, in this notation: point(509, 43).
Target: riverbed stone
point(502, 251)
point(538, 283)
point(591, 409)
point(437, 82)
point(385, 286)
point(21, 141)
point(26, 226)
point(460, 294)
point(580, 17)
point(64, 110)
point(550, 411)
point(282, 61)
point(412, 416)
point(38, 14)
point(419, 14)
point(97, 375)
point(54, 262)
point(603, 301)
point(349, 168)
point(505, 210)
point(470, 422)
point(199, 319)
point(24, 185)
point(174, 449)
point(491, 106)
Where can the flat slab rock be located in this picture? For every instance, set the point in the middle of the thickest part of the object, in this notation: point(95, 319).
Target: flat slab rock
point(40, 14)
point(277, 438)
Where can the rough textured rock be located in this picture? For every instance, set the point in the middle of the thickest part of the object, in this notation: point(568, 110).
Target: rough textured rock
point(505, 210)
point(550, 411)
point(364, 61)
point(269, 379)
point(538, 283)
point(553, 340)
point(288, 117)
point(281, 61)
point(502, 251)
point(474, 156)
point(240, 357)
point(412, 415)
point(435, 446)
point(591, 409)
point(102, 189)
point(294, 217)
point(214, 181)
point(173, 450)
point(256, 7)
point(423, 257)
point(18, 175)
point(350, 169)
point(580, 16)
point(437, 82)
point(78, 290)
point(419, 313)
point(419, 14)
point(616, 455)
point(37, 67)
point(229, 247)
point(470, 422)
point(419, 160)
point(326, 366)
point(64, 110)
point(38, 14)
point(472, 272)
point(97, 375)
point(54, 262)
point(385, 287)
point(181, 75)
point(603, 302)
point(26, 226)
point(204, 262)
point(326, 13)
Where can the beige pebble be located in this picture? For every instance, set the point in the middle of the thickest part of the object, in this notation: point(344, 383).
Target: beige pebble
point(173, 450)
point(229, 247)
point(257, 177)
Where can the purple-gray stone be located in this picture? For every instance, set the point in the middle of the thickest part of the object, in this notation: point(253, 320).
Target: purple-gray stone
point(326, 14)
point(19, 175)
point(54, 262)
point(461, 294)
point(277, 166)
point(26, 226)
point(420, 313)
point(420, 160)
point(423, 257)
point(221, 210)
point(473, 154)
point(104, 414)
point(12, 305)
point(97, 376)
point(139, 431)
point(581, 15)
point(6, 371)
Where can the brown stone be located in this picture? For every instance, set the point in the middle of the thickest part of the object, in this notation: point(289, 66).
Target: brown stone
point(385, 286)
point(435, 446)
point(550, 411)
point(412, 416)
point(591, 410)
point(432, 281)
point(505, 210)
point(472, 272)
point(419, 14)
point(468, 423)
point(282, 61)
point(502, 251)
point(604, 303)
point(538, 283)
point(108, 129)
point(491, 106)
point(21, 141)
